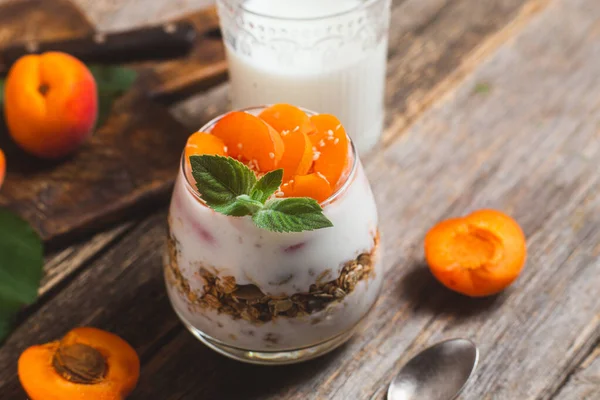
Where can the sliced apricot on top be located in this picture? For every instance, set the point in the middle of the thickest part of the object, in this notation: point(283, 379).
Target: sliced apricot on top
point(297, 154)
point(285, 117)
point(313, 185)
point(249, 138)
point(477, 255)
point(331, 144)
point(204, 143)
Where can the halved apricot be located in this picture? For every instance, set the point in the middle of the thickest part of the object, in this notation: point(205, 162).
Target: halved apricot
point(249, 138)
point(331, 144)
point(313, 185)
point(477, 255)
point(285, 117)
point(204, 143)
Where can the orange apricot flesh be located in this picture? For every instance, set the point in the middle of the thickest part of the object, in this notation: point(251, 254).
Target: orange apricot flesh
point(285, 117)
point(313, 185)
point(297, 155)
point(332, 146)
point(204, 143)
point(477, 255)
point(249, 138)
point(2, 167)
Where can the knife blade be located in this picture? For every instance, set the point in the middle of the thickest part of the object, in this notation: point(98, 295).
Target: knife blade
point(159, 42)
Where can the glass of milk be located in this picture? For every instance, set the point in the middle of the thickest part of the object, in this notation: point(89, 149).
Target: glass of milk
point(326, 55)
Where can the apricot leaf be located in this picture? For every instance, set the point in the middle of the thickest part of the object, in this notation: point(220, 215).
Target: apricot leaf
point(21, 266)
point(112, 82)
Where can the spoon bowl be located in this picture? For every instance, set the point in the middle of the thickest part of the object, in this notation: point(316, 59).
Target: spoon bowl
point(439, 372)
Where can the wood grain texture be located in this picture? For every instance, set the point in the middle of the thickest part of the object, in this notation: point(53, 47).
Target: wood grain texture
point(528, 144)
point(128, 166)
point(125, 169)
point(204, 68)
point(585, 382)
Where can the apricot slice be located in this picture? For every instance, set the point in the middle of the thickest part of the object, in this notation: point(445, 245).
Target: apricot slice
point(313, 185)
point(297, 154)
point(331, 144)
point(249, 138)
point(477, 255)
point(285, 117)
point(204, 143)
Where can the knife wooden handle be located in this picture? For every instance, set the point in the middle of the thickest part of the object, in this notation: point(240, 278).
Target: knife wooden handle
point(171, 40)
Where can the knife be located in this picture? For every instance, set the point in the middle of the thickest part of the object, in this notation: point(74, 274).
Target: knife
point(159, 42)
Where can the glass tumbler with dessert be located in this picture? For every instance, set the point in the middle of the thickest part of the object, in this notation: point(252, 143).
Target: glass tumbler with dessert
point(273, 253)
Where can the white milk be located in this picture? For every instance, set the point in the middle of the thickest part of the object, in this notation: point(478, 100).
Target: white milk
point(335, 65)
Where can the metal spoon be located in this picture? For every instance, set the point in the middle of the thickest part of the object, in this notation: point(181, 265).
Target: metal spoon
point(437, 373)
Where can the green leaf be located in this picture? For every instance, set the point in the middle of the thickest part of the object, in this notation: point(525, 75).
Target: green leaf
point(220, 180)
point(267, 185)
point(112, 82)
point(295, 214)
point(21, 266)
point(242, 205)
point(482, 88)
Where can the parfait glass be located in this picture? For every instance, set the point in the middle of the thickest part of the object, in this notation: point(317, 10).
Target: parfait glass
point(273, 298)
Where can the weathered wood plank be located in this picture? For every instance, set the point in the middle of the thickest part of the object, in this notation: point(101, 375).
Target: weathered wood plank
point(62, 264)
point(528, 144)
point(584, 384)
point(431, 56)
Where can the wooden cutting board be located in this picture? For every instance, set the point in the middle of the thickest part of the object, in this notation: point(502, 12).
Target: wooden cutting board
point(129, 165)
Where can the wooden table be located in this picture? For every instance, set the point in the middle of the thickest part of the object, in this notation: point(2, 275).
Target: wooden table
point(489, 104)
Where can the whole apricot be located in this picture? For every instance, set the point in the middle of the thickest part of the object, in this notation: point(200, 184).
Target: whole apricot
point(50, 104)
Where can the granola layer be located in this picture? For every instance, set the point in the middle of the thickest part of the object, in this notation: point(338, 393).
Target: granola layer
point(248, 302)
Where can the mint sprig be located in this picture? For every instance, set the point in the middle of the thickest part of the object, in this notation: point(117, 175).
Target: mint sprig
point(231, 188)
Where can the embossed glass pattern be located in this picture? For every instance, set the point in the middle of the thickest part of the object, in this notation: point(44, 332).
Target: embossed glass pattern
point(323, 55)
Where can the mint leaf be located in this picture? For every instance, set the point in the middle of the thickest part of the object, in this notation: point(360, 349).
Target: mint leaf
point(112, 82)
point(220, 180)
point(294, 214)
point(242, 205)
point(229, 187)
point(267, 185)
point(21, 266)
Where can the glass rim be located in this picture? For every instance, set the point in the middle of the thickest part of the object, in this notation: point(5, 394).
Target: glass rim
point(239, 4)
point(210, 124)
